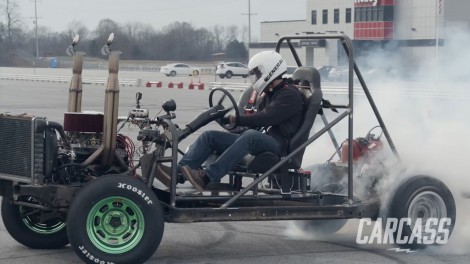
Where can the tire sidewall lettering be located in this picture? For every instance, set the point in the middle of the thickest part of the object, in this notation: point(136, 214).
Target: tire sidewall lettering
point(135, 190)
point(91, 257)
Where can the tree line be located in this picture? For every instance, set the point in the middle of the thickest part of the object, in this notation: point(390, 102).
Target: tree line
point(178, 41)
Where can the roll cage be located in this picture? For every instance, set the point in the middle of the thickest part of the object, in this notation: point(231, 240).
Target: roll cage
point(254, 203)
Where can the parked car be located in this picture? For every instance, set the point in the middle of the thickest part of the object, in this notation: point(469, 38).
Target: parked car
point(180, 69)
point(339, 73)
point(229, 69)
point(289, 72)
point(325, 72)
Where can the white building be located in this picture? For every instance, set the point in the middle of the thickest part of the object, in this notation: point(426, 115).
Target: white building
point(408, 28)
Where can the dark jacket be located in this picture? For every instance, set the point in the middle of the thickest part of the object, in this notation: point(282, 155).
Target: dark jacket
point(282, 110)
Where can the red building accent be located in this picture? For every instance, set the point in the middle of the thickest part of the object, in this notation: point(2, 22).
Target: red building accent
point(374, 30)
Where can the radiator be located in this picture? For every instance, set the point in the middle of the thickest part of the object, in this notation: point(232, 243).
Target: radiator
point(22, 148)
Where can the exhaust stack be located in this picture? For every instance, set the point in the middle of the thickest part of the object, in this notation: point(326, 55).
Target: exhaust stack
point(111, 108)
point(75, 90)
point(107, 150)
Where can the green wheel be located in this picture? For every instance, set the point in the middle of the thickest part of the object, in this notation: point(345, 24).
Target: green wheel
point(115, 225)
point(32, 227)
point(115, 219)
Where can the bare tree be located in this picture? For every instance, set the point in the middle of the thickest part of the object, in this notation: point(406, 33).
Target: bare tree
point(218, 32)
point(177, 41)
point(101, 33)
point(223, 36)
point(232, 33)
point(133, 30)
point(244, 35)
point(76, 27)
point(12, 20)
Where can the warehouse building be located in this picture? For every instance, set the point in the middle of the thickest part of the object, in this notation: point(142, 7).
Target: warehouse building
point(413, 30)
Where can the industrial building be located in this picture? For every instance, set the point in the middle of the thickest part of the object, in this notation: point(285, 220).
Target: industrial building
point(414, 30)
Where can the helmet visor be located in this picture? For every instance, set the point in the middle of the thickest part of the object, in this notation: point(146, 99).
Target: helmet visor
point(255, 74)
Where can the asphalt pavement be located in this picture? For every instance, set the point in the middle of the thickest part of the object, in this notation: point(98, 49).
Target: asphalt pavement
point(227, 242)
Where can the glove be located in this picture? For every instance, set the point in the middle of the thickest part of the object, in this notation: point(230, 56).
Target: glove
point(225, 120)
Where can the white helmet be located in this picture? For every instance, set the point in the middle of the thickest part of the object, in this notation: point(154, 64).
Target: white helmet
point(264, 68)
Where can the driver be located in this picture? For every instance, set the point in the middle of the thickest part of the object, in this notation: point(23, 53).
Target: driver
point(279, 115)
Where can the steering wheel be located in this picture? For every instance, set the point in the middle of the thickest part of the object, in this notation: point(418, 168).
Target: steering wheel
point(234, 106)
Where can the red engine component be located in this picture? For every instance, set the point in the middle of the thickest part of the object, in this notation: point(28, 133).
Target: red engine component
point(83, 122)
point(361, 147)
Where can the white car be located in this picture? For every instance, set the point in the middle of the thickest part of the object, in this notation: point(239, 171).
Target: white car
point(229, 69)
point(289, 72)
point(180, 69)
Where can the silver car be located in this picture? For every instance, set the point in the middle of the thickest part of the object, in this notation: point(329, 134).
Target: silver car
point(229, 69)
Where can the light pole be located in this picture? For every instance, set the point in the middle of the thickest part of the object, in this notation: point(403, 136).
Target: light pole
point(438, 14)
point(249, 22)
point(36, 24)
point(249, 14)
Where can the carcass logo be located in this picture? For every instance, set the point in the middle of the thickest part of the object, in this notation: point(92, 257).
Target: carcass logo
point(390, 231)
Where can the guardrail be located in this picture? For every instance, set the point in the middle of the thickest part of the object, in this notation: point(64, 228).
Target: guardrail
point(66, 79)
point(412, 90)
point(229, 86)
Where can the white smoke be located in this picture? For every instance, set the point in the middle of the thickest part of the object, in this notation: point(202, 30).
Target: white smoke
point(426, 114)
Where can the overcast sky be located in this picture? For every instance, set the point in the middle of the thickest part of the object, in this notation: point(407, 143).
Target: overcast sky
point(57, 14)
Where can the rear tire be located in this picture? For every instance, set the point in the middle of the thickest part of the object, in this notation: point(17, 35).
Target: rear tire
point(115, 219)
point(421, 197)
point(195, 73)
point(24, 225)
point(321, 227)
point(329, 226)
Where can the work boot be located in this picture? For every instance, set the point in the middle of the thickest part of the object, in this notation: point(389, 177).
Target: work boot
point(198, 178)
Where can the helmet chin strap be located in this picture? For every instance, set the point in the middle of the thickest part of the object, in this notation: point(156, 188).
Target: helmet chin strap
point(273, 84)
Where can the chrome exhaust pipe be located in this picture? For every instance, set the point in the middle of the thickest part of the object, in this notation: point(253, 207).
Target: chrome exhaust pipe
point(111, 108)
point(75, 90)
point(107, 150)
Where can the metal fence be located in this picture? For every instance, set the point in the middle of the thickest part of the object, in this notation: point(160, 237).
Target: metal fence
point(66, 79)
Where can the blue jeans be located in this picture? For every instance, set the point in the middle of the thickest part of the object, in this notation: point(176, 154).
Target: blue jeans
point(231, 149)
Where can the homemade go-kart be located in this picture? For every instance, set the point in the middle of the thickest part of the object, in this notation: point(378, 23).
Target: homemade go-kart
point(77, 182)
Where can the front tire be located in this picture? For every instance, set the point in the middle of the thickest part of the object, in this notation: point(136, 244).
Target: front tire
point(421, 197)
point(115, 219)
point(25, 225)
point(228, 74)
point(222, 76)
point(195, 73)
point(172, 73)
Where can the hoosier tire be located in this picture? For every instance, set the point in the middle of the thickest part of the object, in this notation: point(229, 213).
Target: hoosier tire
point(421, 197)
point(115, 219)
point(24, 224)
